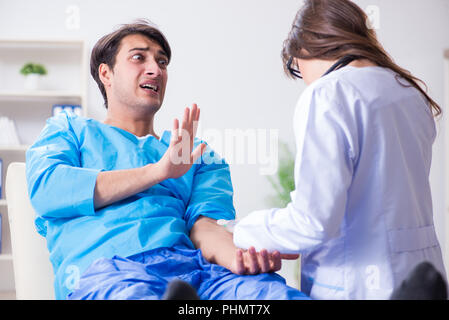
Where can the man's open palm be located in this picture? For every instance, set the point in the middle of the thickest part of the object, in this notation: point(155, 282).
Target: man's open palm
point(179, 158)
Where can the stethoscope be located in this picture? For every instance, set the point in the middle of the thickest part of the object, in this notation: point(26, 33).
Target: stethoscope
point(341, 63)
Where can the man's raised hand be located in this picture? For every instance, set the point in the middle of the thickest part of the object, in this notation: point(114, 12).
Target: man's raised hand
point(179, 157)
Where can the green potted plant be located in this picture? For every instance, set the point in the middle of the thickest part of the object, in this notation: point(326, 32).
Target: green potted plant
point(283, 183)
point(33, 72)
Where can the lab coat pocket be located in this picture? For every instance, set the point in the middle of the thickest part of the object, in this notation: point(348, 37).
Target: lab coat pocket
point(412, 239)
point(409, 247)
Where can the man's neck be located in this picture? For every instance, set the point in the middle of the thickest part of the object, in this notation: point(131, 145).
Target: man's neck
point(137, 125)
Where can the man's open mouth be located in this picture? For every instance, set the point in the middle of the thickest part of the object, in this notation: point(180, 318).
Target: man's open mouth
point(149, 86)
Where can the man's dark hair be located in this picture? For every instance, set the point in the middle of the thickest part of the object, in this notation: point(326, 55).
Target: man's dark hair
point(106, 49)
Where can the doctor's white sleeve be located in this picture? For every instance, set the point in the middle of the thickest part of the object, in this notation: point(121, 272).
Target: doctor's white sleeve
point(326, 149)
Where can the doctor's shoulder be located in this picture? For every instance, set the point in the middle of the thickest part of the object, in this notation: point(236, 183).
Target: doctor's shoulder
point(328, 93)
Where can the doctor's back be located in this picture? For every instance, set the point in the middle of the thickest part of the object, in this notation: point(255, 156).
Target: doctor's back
point(382, 131)
point(361, 213)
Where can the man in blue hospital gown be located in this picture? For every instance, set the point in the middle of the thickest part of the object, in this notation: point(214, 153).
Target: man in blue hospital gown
point(126, 211)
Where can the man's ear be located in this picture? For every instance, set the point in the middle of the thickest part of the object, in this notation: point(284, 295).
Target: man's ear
point(105, 74)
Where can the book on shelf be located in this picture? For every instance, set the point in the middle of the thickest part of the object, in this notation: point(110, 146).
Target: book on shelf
point(0, 232)
point(1, 177)
point(75, 108)
point(9, 135)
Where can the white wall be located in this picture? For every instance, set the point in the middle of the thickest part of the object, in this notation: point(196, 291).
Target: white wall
point(226, 58)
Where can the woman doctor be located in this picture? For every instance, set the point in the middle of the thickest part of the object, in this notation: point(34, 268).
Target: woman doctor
point(361, 212)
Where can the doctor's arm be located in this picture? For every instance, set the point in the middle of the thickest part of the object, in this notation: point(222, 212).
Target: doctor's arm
point(326, 148)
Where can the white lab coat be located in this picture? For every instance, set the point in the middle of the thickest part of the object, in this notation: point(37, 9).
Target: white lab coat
point(361, 213)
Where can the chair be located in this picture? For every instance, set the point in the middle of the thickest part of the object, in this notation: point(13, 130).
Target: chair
point(33, 272)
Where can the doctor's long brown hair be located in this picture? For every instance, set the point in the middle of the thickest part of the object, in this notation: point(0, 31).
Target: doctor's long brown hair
point(331, 29)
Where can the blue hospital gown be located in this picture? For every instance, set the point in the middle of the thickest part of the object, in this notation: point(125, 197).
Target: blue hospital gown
point(62, 167)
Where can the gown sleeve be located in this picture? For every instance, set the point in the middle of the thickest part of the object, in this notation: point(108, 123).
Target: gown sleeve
point(325, 143)
point(58, 186)
point(212, 191)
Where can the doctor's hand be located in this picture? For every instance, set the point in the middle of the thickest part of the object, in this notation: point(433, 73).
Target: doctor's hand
point(179, 158)
point(252, 262)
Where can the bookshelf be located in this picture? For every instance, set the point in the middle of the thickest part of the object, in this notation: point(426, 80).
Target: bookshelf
point(65, 83)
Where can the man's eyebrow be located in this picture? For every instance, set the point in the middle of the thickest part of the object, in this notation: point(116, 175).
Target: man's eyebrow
point(139, 49)
point(161, 52)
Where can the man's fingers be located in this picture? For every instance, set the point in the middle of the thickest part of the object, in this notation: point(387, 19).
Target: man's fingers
point(240, 268)
point(199, 150)
point(175, 131)
point(191, 124)
point(193, 116)
point(195, 123)
point(197, 115)
point(264, 261)
point(253, 263)
point(185, 119)
point(276, 261)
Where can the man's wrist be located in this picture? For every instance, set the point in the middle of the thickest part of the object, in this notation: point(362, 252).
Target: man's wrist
point(155, 173)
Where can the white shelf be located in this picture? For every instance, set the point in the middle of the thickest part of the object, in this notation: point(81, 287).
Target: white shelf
point(7, 295)
point(5, 257)
point(43, 94)
point(14, 148)
point(65, 83)
point(46, 44)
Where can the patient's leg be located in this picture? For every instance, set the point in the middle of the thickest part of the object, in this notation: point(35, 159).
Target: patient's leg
point(118, 279)
point(218, 283)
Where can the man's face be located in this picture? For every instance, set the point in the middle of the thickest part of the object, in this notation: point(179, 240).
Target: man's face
point(139, 76)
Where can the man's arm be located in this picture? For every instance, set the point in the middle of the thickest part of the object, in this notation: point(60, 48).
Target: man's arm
point(216, 245)
point(113, 186)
